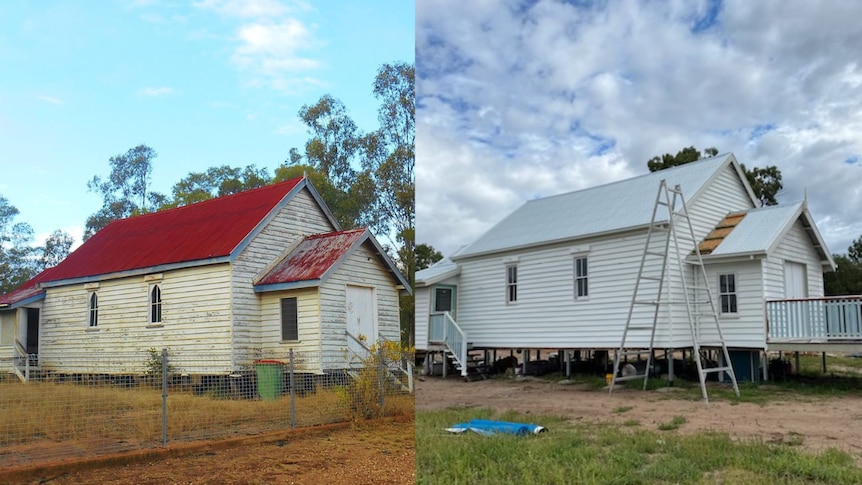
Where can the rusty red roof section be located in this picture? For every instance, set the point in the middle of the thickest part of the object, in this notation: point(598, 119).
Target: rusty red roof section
point(206, 230)
point(313, 257)
point(27, 290)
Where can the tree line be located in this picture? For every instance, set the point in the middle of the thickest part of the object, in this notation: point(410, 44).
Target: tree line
point(366, 178)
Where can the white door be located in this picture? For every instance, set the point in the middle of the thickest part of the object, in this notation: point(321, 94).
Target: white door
point(361, 317)
point(795, 280)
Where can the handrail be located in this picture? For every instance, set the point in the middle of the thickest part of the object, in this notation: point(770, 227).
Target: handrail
point(20, 356)
point(456, 341)
point(408, 371)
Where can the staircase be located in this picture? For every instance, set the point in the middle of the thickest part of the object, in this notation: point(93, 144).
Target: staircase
point(445, 332)
point(398, 374)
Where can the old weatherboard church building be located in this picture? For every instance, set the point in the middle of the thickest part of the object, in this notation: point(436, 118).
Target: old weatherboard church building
point(239, 278)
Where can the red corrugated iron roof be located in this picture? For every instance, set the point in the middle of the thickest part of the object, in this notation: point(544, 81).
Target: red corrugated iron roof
point(313, 257)
point(206, 230)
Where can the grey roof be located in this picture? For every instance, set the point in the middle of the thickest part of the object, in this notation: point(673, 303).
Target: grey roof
point(761, 228)
point(439, 271)
point(606, 208)
point(758, 230)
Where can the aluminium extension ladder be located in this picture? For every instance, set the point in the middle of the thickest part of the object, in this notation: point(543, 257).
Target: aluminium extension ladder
point(673, 200)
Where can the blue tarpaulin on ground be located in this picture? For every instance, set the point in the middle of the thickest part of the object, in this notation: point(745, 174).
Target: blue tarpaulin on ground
point(488, 427)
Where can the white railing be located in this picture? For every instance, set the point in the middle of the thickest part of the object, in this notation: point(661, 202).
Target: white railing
point(821, 319)
point(443, 329)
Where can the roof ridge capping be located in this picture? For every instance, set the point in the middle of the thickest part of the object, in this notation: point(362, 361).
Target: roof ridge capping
point(685, 166)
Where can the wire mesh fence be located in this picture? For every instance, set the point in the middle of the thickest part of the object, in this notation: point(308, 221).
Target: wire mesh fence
point(75, 406)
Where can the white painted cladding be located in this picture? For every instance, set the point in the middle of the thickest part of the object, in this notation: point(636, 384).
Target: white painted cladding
point(547, 313)
point(794, 247)
point(361, 268)
point(308, 313)
point(422, 301)
point(195, 319)
point(300, 217)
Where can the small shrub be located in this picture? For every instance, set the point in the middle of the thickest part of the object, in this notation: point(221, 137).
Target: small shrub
point(362, 394)
point(623, 409)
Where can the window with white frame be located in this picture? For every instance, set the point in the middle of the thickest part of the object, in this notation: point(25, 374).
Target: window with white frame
point(727, 293)
point(511, 284)
point(93, 309)
point(581, 278)
point(155, 304)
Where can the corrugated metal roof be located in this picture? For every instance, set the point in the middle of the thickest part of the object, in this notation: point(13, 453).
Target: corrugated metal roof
point(606, 208)
point(206, 230)
point(440, 270)
point(758, 230)
point(313, 257)
point(27, 290)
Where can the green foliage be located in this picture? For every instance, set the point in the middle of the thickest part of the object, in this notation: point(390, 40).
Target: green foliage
point(216, 182)
point(603, 453)
point(846, 279)
point(153, 366)
point(426, 255)
point(765, 182)
point(125, 192)
point(854, 252)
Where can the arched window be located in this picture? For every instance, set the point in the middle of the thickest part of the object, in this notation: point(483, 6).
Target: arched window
point(155, 304)
point(94, 310)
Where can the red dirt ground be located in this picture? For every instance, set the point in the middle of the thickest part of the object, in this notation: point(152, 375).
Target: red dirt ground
point(811, 422)
point(379, 452)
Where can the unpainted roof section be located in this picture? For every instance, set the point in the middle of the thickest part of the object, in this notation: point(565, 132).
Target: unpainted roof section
point(603, 209)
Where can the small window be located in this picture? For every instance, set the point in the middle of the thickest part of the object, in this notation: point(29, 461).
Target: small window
point(289, 319)
point(581, 282)
point(94, 310)
point(155, 304)
point(727, 293)
point(511, 284)
point(442, 299)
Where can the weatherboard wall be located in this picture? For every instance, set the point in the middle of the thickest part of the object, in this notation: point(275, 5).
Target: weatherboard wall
point(363, 268)
point(796, 247)
point(547, 314)
point(307, 347)
point(300, 217)
point(423, 300)
point(195, 321)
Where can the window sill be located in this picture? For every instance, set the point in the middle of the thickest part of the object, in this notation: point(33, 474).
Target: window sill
point(93, 329)
point(729, 316)
point(582, 299)
point(156, 325)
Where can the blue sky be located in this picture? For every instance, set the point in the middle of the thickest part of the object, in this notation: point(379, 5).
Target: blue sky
point(204, 83)
point(534, 98)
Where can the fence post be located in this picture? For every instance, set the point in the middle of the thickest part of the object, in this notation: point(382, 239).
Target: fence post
point(165, 397)
point(292, 394)
point(380, 377)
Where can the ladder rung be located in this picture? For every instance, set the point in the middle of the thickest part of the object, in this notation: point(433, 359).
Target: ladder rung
point(710, 344)
point(640, 327)
point(717, 369)
point(645, 302)
point(629, 378)
point(680, 214)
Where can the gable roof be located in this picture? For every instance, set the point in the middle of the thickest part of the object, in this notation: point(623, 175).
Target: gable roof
point(317, 257)
point(608, 208)
point(207, 232)
point(761, 230)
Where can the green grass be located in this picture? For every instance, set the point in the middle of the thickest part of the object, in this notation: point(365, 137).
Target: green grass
point(607, 453)
point(673, 424)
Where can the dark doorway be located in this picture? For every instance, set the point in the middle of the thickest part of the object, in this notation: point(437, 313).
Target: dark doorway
point(32, 330)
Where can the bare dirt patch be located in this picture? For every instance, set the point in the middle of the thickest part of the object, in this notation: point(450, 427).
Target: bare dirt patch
point(380, 452)
point(812, 423)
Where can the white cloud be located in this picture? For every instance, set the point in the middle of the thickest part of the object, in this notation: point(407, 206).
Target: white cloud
point(535, 100)
point(155, 92)
point(49, 99)
point(272, 44)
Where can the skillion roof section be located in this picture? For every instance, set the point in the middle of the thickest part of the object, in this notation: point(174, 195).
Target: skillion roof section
point(609, 208)
point(439, 271)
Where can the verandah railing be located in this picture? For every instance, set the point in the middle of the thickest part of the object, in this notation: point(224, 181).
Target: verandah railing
point(815, 319)
point(443, 329)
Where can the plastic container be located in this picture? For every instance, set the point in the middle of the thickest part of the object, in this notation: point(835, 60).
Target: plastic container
point(270, 379)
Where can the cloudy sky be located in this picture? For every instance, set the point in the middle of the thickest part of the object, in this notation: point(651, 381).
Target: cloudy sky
point(519, 100)
point(204, 83)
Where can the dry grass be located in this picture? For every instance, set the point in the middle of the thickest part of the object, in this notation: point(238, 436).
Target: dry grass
point(71, 412)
